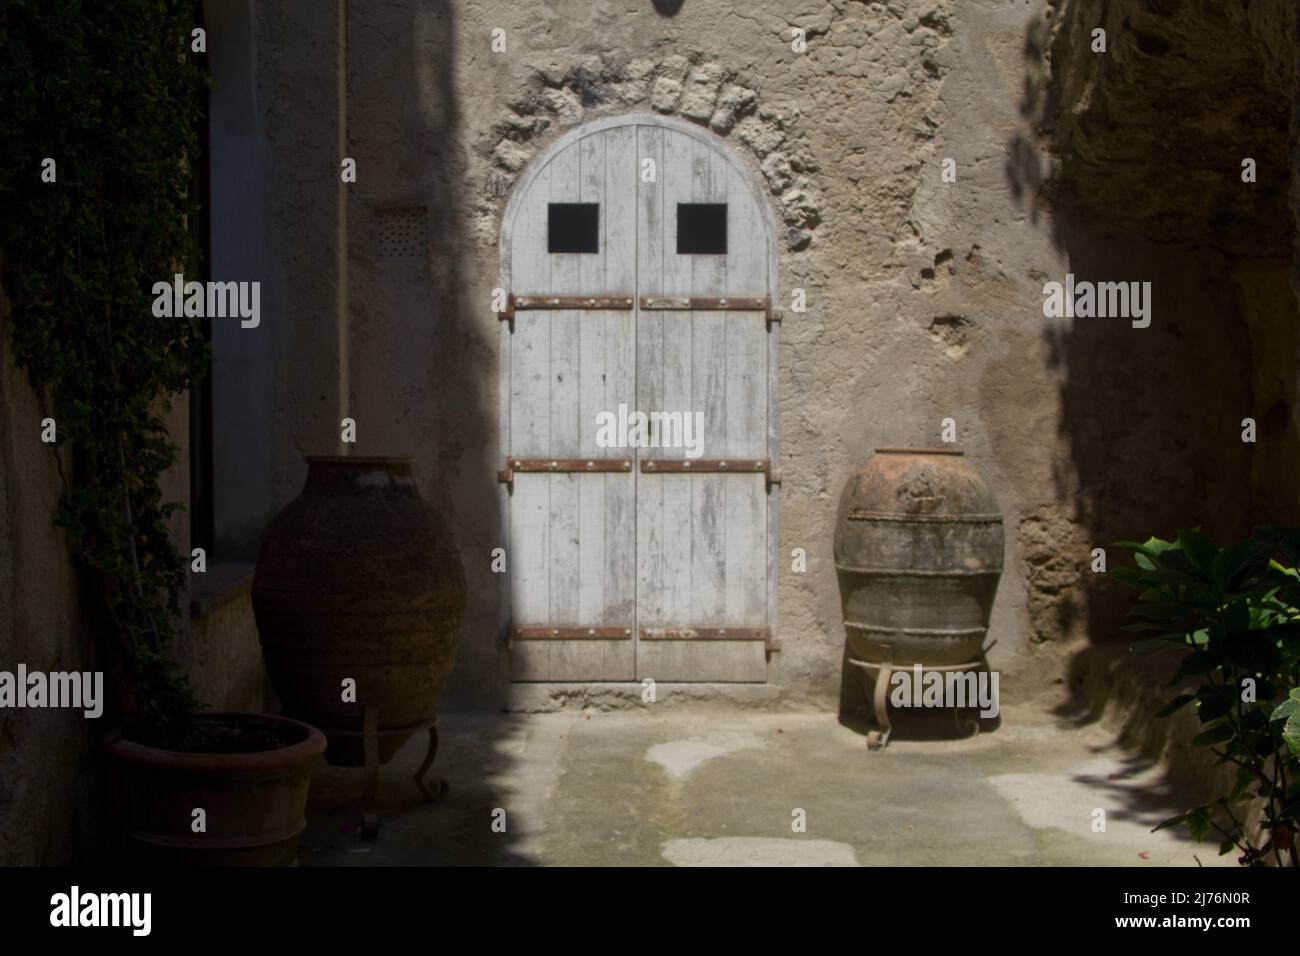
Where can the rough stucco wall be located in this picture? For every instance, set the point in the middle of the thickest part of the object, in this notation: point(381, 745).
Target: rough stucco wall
point(53, 805)
point(225, 666)
point(299, 57)
point(1148, 141)
point(892, 324)
point(47, 805)
point(924, 298)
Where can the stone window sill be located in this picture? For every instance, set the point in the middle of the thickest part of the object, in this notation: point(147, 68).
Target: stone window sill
point(220, 585)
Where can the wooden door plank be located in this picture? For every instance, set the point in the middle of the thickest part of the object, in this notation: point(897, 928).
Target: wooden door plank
point(702, 661)
point(565, 558)
point(620, 254)
point(566, 279)
point(538, 661)
point(592, 509)
point(594, 329)
point(676, 186)
point(530, 524)
point(747, 256)
point(746, 519)
point(587, 541)
point(708, 528)
point(709, 277)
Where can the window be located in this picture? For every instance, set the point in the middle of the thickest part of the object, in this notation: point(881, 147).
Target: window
point(702, 229)
point(573, 227)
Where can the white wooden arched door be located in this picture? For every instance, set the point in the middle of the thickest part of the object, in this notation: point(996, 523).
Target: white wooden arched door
point(639, 258)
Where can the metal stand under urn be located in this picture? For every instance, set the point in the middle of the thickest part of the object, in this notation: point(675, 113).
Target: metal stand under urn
point(918, 551)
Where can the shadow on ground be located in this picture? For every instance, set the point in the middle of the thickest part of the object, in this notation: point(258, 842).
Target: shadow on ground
point(705, 788)
point(477, 760)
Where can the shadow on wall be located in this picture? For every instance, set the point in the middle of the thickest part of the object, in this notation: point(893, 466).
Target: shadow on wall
point(49, 785)
point(421, 376)
point(422, 371)
point(1149, 139)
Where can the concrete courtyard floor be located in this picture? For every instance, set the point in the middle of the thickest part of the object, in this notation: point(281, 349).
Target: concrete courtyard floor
point(655, 787)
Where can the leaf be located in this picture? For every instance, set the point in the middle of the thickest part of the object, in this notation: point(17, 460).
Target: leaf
point(1130, 576)
point(1160, 612)
point(1178, 703)
point(1171, 822)
point(1284, 539)
point(1214, 706)
point(1197, 590)
point(1291, 729)
point(1197, 664)
point(1180, 563)
point(1243, 559)
point(1151, 547)
point(1198, 822)
point(1153, 645)
point(1288, 707)
point(1200, 550)
point(1216, 734)
point(1243, 780)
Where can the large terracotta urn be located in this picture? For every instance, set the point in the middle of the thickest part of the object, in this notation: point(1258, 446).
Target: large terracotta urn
point(358, 580)
point(918, 550)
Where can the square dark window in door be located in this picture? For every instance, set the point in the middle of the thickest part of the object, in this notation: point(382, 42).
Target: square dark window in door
point(573, 227)
point(702, 228)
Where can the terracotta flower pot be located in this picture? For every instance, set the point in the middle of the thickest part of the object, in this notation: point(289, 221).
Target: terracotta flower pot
point(358, 580)
point(918, 550)
point(253, 800)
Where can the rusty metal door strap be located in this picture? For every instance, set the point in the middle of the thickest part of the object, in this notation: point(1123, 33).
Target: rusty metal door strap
point(546, 633)
point(711, 466)
point(542, 633)
point(562, 466)
point(600, 303)
point(650, 303)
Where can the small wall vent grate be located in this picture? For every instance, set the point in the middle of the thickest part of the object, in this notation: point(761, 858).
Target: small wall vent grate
point(403, 233)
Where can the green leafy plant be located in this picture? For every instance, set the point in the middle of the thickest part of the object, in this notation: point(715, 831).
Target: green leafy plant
point(112, 95)
point(1236, 611)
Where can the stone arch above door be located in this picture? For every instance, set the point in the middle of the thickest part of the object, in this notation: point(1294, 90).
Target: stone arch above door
point(638, 254)
point(686, 84)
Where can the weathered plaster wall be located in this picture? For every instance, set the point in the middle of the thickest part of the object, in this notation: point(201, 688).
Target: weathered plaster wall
point(47, 805)
point(54, 801)
point(924, 297)
point(225, 663)
point(1148, 142)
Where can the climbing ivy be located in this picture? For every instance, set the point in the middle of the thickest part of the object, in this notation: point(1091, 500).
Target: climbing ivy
point(112, 94)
